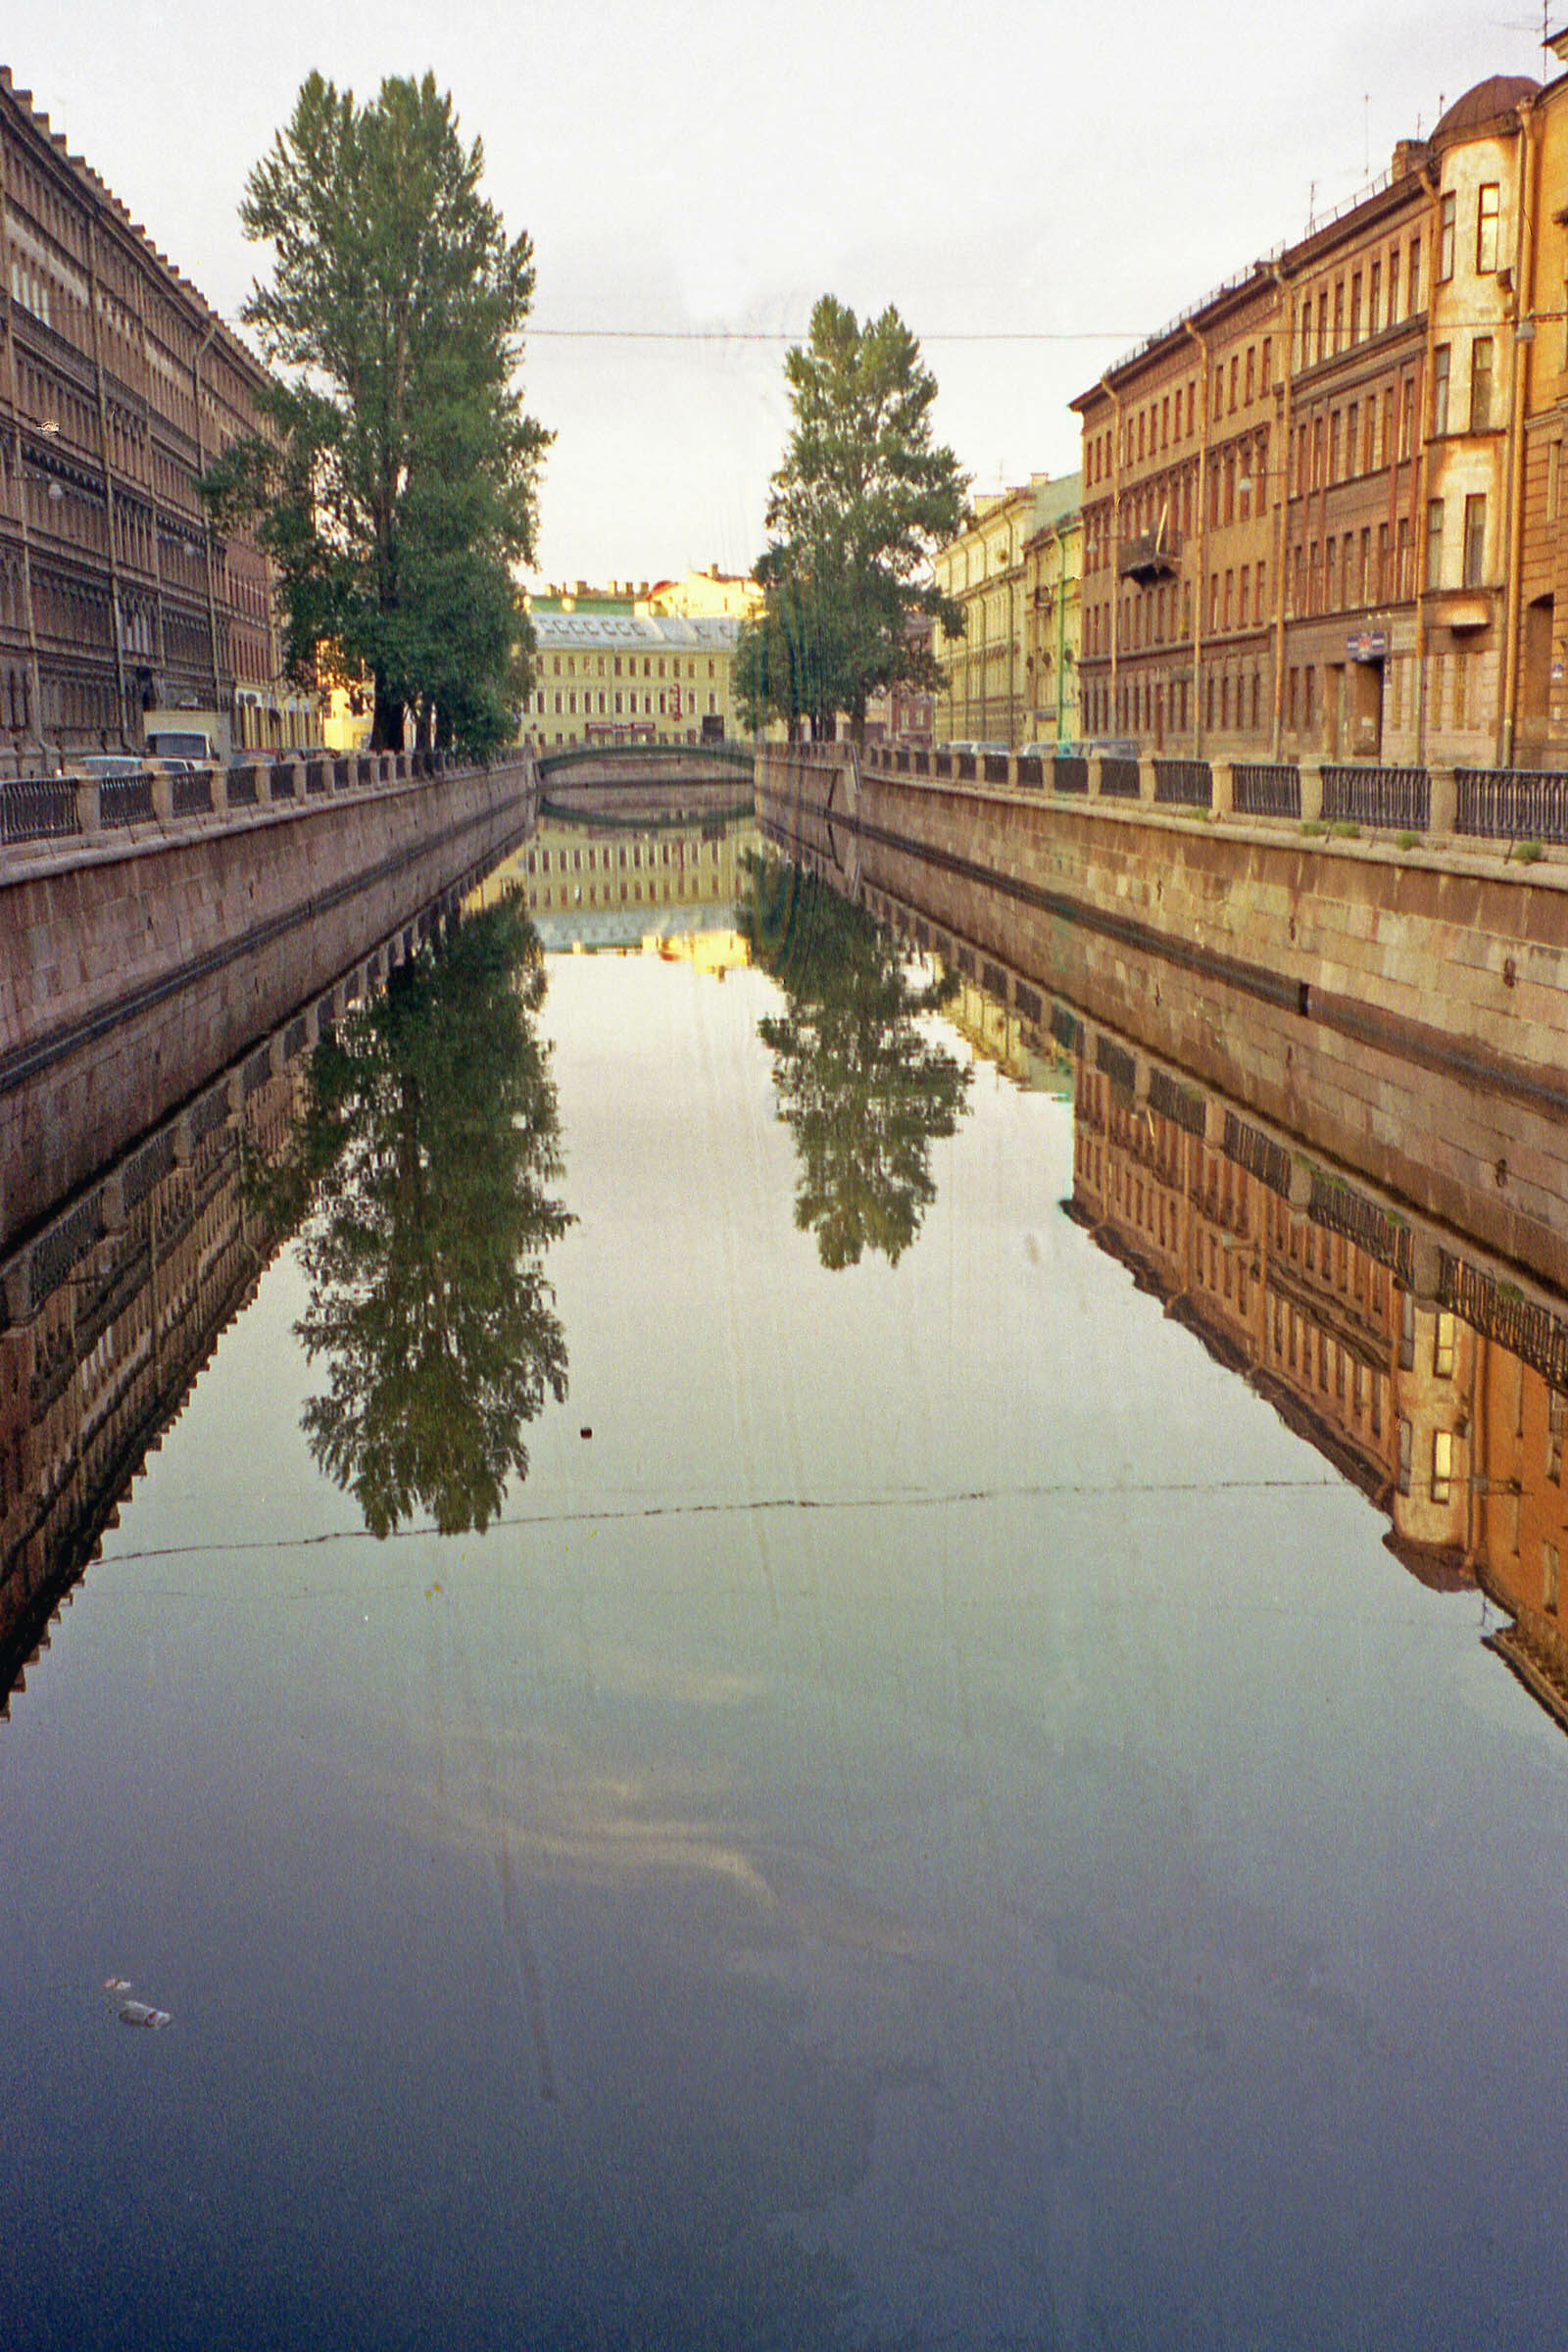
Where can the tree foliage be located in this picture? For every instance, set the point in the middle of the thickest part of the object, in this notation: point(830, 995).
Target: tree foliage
point(863, 1087)
point(397, 487)
point(862, 497)
point(424, 1171)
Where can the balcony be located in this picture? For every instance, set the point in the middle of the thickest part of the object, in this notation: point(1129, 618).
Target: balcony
point(1154, 555)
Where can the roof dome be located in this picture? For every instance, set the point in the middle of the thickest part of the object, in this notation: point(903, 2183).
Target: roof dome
point(1498, 96)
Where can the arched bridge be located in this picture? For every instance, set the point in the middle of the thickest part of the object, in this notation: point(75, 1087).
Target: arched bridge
point(631, 782)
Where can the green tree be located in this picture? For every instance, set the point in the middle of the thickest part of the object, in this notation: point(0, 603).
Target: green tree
point(866, 1090)
point(863, 497)
point(424, 1170)
point(397, 488)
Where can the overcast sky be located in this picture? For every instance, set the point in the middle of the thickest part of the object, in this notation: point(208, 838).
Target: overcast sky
point(1063, 171)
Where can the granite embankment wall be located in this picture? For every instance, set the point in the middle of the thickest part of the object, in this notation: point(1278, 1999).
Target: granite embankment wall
point(135, 963)
point(1402, 1010)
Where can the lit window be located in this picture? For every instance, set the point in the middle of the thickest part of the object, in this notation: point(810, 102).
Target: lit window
point(1487, 229)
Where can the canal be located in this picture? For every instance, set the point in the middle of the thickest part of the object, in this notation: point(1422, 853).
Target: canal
point(964, 1771)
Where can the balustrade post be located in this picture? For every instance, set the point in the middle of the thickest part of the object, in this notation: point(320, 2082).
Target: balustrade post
point(163, 797)
point(1097, 768)
point(1222, 787)
point(1311, 790)
point(1146, 782)
point(89, 805)
point(1443, 799)
point(1426, 1268)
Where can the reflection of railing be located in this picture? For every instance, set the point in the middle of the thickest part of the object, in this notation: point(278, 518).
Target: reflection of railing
point(1184, 783)
point(1381, 797)
point(1518, 1323)
point(1184, 1105)
point(1258, 1154)
point(1342, 1210)
point(1265, 788)
point(1512, 805)
point(1117, 1064)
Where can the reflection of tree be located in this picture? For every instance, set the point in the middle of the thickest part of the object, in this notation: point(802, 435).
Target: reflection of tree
point(865, 1091)
point(429, 1143)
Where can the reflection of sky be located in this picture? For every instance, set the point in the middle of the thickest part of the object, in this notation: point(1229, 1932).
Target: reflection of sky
point(939, 1782)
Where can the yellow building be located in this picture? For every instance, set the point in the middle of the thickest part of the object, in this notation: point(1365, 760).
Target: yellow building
point(709, 595)
point(610, 676)
point(994, 669)
point(1053, 584)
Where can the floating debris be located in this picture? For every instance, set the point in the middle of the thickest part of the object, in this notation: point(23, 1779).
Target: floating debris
point(140, 2013)
point(116, 1983)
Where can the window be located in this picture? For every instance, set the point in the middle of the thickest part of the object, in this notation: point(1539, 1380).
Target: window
point(1481, 356)
point(1434, 570)
point(1334, 446)
point(1487, 229)
point(1443, 1331)
point(1475, 540)
point(1412, 278)
point(1407, 417)
point(1442, 1464)
point(1548, 1576)
point(1441, 361)
point(1252, 383)
point(1445, 219)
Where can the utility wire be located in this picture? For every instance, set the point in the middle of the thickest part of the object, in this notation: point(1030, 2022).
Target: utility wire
point(1087, 1487)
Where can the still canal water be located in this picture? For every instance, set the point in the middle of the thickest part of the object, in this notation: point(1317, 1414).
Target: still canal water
point(924, 1816)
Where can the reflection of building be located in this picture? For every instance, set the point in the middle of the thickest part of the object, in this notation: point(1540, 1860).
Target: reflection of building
point(592, 882)
point(118, 389)
point(1432, 1383)
point(108, 1317)
point(611, 675)
point(1312, 504)
point(994, 681)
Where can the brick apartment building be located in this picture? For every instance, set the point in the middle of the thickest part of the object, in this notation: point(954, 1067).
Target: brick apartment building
point(118, 387)
point(1321, 508)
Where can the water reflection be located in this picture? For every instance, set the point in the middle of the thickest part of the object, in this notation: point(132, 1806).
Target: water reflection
point(423, 1169)
point(1434, 1382)
point(108, 1316)
point(865, 1089)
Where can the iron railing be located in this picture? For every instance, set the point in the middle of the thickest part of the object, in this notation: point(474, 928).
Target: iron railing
point(1184, 783)
point(1265, 788)
point(1069, 772)
point(192, 794)
point(1498, 804)
point(1031, 771)
point(1385, 798)
point(1118, 779)
point(994, 764)
point(126, 799)
point(38, 809)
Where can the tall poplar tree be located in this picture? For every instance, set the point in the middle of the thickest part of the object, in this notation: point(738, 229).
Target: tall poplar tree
point(862, 497)
point(397, 488)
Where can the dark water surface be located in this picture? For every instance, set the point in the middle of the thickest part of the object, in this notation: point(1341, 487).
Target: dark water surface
point(940, 1822)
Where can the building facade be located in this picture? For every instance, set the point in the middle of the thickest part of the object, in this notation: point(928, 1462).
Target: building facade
point(610, 674)
point(992, 693)
point(119, 386)
point(1319, 508)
